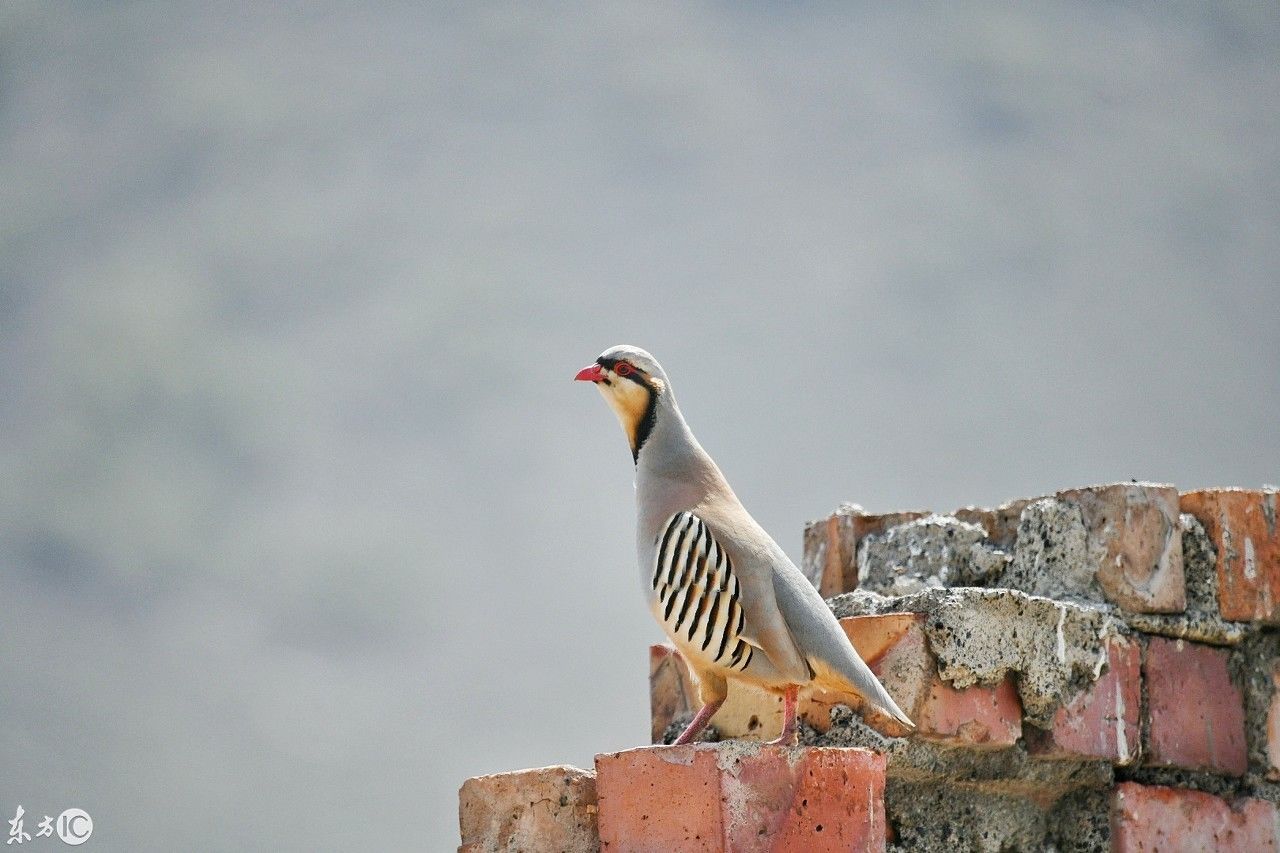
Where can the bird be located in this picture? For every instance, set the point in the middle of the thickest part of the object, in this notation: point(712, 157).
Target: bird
point(724, 592)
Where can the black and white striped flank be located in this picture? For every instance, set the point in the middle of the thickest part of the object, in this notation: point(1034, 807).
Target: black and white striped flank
point(698, 593)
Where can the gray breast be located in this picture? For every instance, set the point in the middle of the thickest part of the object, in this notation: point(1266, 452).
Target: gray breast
point(697, 592)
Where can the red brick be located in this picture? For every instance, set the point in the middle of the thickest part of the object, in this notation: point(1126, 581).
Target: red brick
point(831, 545)
point(1132, 532)
point(550, 808)
point(976, 716)
point(1242, 526)
point(1102, 721)
point(896, 649)
point(1155, 818)
point(1195, 714)
point(741, 798)
point(660, 798)
point(1000, 523)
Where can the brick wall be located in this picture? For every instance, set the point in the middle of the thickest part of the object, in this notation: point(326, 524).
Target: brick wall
point(1091, 670)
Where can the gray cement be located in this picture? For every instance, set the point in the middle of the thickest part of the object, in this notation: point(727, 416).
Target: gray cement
point(979, 636)
point(935, 551)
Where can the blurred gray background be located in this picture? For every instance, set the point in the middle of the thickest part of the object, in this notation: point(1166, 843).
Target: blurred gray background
point(302, 520)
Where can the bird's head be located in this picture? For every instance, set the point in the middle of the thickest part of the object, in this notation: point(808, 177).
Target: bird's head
point(632, 383)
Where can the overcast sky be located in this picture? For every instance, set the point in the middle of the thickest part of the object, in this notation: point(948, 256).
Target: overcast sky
point(303, 521)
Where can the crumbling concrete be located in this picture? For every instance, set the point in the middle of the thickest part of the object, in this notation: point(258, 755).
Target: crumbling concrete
point(935, 551)
point(979, 636)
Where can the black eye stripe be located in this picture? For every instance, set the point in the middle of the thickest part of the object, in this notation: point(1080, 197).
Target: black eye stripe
point(636, 375)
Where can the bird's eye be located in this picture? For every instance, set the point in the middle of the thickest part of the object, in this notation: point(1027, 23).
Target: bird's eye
point(623, 369)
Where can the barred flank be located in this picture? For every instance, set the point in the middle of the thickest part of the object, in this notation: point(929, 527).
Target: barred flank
point(698, 593)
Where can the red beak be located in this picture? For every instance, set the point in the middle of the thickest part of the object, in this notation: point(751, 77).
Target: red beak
point(590, 373)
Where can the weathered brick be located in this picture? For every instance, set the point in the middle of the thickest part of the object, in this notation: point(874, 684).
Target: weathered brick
point(1155, 818)
point(895, 647)
point(1000, 523)
point(1195, 714)
point(831, 545)
point(1242, 526)
point(1103, 720)
point(1134, 542)
point(550, 808)
point(741, 797)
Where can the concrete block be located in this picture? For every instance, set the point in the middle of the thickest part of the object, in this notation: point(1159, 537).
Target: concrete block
point(1242, 526)
point(1195, 714)
point(547, 809)
point(741, 797)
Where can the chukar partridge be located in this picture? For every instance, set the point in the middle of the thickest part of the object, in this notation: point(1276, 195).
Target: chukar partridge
point(724, 592)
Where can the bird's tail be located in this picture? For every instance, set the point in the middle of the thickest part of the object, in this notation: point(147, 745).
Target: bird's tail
point(854, 676)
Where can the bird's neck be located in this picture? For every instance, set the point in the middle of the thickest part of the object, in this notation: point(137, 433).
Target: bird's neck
point(670, 450)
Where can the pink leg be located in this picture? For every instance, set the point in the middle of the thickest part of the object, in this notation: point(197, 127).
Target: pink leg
point(699, 722)
point(790, 734)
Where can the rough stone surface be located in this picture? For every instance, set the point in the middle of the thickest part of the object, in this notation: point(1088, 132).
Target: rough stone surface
point(982, 636)
point(1081, 822)
point(1201, 622)
point(1255, 666)
point(1195, 714)
point(1151, 818)
point(550, 808)
point(934, 551)
point(831, 545)
point(1242, 526)
point(1050, 553)
point(741, 797)
point(1102, 721)
point(1120, 543)
point(943, 819)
